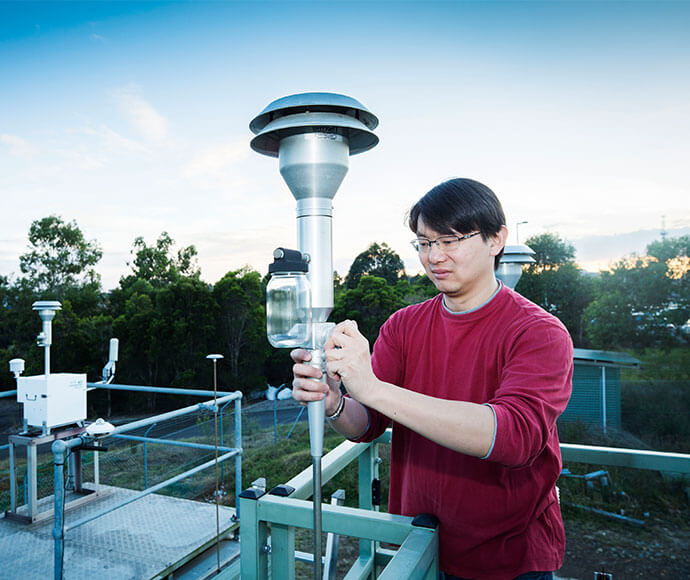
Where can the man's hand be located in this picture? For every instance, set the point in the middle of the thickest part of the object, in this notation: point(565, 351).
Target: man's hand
point(348, 359)
point(307, 387)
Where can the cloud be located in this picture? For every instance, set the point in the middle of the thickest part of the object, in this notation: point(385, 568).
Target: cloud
point(214, 161)
point(18, 147)
point(598, 251)
point(114, 142)
point(98, 38)
point(141, 114)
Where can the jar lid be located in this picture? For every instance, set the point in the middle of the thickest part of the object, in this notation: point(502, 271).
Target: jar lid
point(285, 260)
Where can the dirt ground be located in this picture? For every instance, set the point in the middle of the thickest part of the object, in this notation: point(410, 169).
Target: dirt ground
point(625, 551)
point(654, 550)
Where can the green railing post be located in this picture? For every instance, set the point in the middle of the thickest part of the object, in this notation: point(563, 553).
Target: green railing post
point(254, 552)
point(282, 552)
point(368, 471)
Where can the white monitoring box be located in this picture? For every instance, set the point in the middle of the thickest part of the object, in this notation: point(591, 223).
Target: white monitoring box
point(52, 401)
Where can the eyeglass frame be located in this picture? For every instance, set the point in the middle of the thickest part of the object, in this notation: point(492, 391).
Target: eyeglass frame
point(437, 241)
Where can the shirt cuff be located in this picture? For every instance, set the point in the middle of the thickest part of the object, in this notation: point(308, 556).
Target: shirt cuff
point(493, 440)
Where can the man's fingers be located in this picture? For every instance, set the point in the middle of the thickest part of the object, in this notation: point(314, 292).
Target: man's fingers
point(341, 334)
point(304, 370)
point(307, 390)
point(349, 328)
point(300, 355)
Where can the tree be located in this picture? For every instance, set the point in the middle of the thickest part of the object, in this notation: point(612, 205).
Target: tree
point(669, 249)
point(241, 326)
point(643, 301)
point(369, 304)
point(376, 260)
point(550, 251)
point(555, 283)
point(59, 257)
point(157, 264)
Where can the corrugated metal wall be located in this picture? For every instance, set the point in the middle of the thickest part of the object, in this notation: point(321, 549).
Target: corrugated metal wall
point(585, 402)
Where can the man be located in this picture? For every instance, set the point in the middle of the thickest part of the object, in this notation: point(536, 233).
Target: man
point(473, 381)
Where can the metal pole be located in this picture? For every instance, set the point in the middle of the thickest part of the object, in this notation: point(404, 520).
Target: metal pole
point(238, 458)
point(316, 412)
point(161, 390)
point(603, 397)
point(174, 443)
point(215, 456)
point(59, 448)
point(171, 414)
point(13, 479)
point(299, 415)
point(222, 467)
point(146, 461)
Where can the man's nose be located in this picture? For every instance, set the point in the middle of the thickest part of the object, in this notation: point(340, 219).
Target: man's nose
point(435, 253)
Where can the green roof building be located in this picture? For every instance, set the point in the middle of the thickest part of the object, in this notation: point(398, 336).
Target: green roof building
point(596, 398)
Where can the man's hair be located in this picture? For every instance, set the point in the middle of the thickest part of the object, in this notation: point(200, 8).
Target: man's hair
point(460, 206)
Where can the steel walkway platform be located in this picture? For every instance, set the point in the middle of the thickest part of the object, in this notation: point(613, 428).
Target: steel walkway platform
point(147, 539)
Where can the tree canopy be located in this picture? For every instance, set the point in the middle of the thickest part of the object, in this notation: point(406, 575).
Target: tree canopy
point(167, 319)
point(377, 260)
point(59, 256)
point(556, 283)
point(158, 264)
point(644, 301)
point(550, 251)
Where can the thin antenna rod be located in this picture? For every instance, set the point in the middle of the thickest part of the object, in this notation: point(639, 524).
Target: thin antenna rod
point(214, 358)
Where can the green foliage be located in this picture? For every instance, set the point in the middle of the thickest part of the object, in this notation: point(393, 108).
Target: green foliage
point(657, 412)
point(59, 265)
point(670, 364)
point(643, 301)
point(417, 289)
point(555, 283)
point(59, 257)
point(376, 260)
point(665, 250)
point(157, 265)
point(550, 251)
point(562, 290)
point(369, 304)
point(241, 327)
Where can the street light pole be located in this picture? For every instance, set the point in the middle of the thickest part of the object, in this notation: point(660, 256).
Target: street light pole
point(517, 231)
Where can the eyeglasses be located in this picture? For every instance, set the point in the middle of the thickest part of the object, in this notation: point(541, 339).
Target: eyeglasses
point(445, 243)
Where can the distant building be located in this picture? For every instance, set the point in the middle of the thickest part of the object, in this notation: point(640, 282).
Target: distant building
point(596, 398)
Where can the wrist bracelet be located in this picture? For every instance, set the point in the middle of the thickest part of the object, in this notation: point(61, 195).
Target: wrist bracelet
point(339, 409)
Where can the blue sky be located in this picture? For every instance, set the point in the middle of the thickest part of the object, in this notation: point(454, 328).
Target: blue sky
point(132, 119)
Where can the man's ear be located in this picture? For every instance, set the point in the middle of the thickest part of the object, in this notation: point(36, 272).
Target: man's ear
point(498, 241)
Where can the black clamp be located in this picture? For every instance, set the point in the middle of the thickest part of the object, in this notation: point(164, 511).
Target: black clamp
point(425, 521)
point(376, 492)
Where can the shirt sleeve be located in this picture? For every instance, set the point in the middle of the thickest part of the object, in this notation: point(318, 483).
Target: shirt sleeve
point(387, 366)
point(534, 389)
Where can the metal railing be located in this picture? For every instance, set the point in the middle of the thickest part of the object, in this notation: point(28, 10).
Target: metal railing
point(285, 508)
point(61, 447)
point(4, 394)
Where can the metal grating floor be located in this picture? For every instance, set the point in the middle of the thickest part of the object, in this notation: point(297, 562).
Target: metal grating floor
point(138, 541)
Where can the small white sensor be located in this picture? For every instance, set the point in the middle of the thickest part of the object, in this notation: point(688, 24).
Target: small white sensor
point(100, 428)
point(17, 367)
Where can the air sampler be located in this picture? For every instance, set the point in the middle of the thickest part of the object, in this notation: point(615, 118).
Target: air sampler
point(54, 407)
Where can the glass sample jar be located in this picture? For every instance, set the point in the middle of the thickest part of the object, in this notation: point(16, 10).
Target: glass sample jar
point(288, 301)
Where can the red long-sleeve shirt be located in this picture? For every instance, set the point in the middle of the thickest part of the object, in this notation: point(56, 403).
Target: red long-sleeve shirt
point(499, 516)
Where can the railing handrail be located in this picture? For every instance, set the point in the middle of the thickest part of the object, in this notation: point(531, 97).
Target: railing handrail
point(625, 457)
point(60, 447)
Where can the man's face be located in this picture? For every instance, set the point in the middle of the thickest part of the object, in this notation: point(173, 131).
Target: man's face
point(466, 269)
